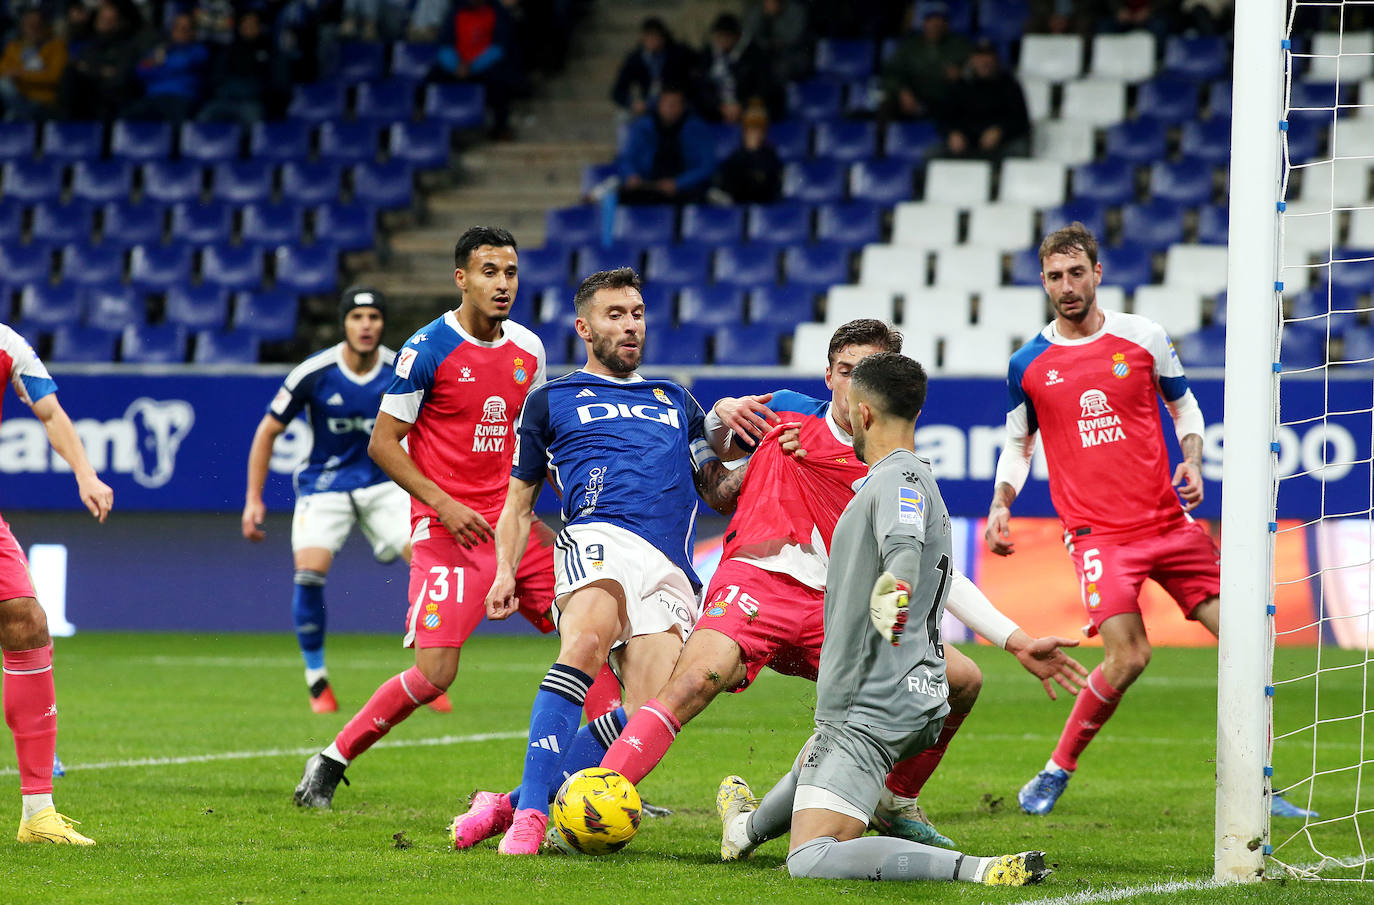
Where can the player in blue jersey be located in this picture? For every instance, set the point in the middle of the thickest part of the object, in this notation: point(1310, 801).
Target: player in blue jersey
point(629, 456)
point(338, 390)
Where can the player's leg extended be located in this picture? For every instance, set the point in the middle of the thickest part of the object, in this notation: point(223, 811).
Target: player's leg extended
point(308, 616)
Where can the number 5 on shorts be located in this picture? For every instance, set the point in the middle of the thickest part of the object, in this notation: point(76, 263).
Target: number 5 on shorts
point(438, 583)
point(1092, 566)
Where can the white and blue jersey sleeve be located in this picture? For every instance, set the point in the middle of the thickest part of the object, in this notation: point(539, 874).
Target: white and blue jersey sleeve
point(416, 364)
point(30, 379)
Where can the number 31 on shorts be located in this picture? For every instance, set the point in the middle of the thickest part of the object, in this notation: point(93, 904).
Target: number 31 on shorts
point(440, 587)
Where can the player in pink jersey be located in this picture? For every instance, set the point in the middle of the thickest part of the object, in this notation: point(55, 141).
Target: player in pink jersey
point(765, 603)
point(1088, 384)
point(30, 701)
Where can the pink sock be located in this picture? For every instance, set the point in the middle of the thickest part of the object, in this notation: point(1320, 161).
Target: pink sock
point(30, 703)
point(397, 698)
point(1094, 706)
point(909, 776)
point(642, 743)
point(603, 696)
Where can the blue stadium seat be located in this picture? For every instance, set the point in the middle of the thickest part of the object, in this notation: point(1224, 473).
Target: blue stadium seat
point(683, 345)
point(87, 265)
point(881, 181)
point(141, 141)
point(1359, 347)
point(317, 102)
point(712, 223)
point(815, 99)
point(1025, 267)
point(232, 267)
point(554, 306)
point(1205, 348)
point(1219, 98)
point(387, 186)
point(44, 305)
point(659, 301)
point(73, 343)
point(1198, 57)
point(170, 181)
point(594, 174)
point(1108, 181)
point(1353, 268)
point(54, 222)
point(711, 306)
point(1156, 224)
point(153, 344)
point(1002, 20)
point(348, 227)
point(592, 258)
point(569, 226)
point(1127, 265)
point(1324, 298)
point(1091, 214)
point(1138, 140)
point(844, 60)
point(546, 266)
point(102, 180)
point(287, 139)
point(844, 139)
point(557, 339)
point(216, 142)
point(218, 347)
point(17, 139)
point(199, 224)
point(911, 140)
point(23, 264)
point(821, 265)
point(1207, 139)
point(1213, 224)
point(265, 223)
point(725, 136)
point(423, 145)
point(72, 140)
point(1302, 346)
point(1322, 95)
point(157, 268)
point(814, 180)
point(646, 225)
point(310, 183)
point(678, 265)
point(1187, 181)
point(791, 138)
point(747, 345)
point(360, 61)
point(11, 219)
point(863, 97)
point(308, 270)
point(113, 307)
point(782, 305)
point(412, 60)
point(1167, 98)
point(33, 180)
point(270, 315)
point(850, 223)
point(1305, 134)
point(242, 181)
point(348, 143)
point(460, 105)
point(197, 307)
point(388, 101)
point(747, 265)
point(783, 223)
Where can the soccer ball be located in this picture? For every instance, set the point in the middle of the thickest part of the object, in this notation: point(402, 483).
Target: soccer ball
point(596, 812)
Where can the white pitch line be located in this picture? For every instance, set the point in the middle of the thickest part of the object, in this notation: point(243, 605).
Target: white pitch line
point(279, 752)
point(1120, 894)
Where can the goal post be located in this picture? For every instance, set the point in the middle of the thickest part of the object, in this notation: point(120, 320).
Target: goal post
point(1251, 396)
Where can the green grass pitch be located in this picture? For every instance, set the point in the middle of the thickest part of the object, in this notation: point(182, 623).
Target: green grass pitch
point(182, 753)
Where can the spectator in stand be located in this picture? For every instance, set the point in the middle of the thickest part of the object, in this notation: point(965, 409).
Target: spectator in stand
point(752, 174)
point(862, 19)
point(736, 74)
point(669, 156)
point(475, 47)
point(99, 82)
point(987, 114)
point(657, 59)
point(919, 76)
point(248, 78)
point(80, 28)
point(172, 73)
point(374, 20)
point(215, 22)
point(31, 69)
point(1061, 17)
point(781, 29)
point(1207, 17)
point(1155, 16)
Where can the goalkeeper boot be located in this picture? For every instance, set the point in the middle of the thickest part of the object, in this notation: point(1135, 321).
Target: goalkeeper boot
point(1282, 807)
point(734, 803)
point(902, 817)
point(526, 833)
point(317, 785)
point(654, 810)
point(322, 697)
point(1016, 870)
point(49, 826)
point(489, 813)
point(1039, 795)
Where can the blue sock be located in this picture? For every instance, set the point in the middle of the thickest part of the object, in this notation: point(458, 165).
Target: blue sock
point(587, 748)
point(554, 718)
point(307, 611)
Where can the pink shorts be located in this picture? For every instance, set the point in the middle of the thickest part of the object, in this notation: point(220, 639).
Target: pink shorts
point(1185, 562)
point(776, 621)
point(14, 567)
point(449, 584)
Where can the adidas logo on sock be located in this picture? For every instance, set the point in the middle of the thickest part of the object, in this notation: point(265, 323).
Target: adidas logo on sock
point(548, 743)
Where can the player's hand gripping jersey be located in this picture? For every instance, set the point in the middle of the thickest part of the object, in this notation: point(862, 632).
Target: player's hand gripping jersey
point(463, 396)
point(621, 451)
point(1093, 401)
point(20, 364)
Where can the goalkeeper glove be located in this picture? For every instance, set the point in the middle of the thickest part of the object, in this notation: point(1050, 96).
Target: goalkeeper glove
point(887, 606)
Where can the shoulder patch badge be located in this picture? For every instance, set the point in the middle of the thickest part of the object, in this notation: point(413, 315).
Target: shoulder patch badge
point(911, 507)
point(404, 361)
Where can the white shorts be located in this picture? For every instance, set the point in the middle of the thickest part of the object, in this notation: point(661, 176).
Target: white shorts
point(658, 596)
point(381, 510)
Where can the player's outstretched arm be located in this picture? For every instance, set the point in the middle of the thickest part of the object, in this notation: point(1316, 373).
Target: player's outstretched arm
point(1188, 475)
point(512, 536)
point(259, 458)
point(732, 419)
point(466, 525)
point(719, 486)
point(1044, 659)
point(95, 493)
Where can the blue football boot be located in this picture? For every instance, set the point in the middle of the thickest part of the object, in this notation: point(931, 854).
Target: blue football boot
point(1282, 807)
point(1039, 795)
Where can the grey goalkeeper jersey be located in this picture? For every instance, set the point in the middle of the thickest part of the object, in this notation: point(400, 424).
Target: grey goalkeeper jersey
point(897, 522)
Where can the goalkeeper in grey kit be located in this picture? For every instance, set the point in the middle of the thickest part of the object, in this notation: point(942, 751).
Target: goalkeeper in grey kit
point(881, 691)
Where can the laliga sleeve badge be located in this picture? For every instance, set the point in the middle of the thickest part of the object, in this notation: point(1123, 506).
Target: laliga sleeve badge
point(431, 620)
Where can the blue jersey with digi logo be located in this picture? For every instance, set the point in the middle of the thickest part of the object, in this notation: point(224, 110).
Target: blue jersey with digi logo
point(341, 407)
point(622, 451)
